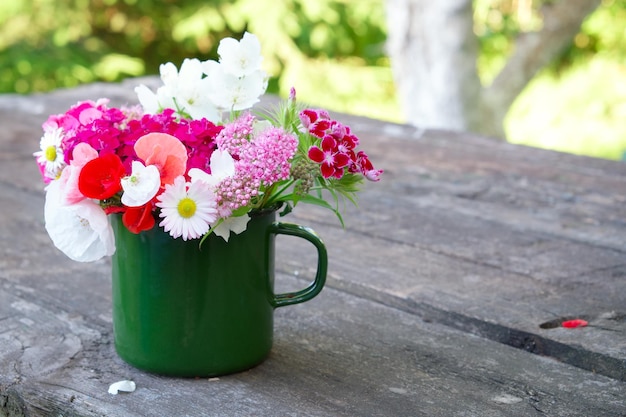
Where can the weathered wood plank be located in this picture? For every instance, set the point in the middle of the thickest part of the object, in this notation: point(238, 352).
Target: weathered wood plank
point(337, 355)
point(464, 237)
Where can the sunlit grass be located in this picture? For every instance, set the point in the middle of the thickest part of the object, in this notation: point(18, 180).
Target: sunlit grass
point(347, 88)
point(582, 112)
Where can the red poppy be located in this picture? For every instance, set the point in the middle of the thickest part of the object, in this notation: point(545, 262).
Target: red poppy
point(138, 219)
point(101, 177)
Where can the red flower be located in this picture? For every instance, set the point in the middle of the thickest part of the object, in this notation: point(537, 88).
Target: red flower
point(137, 219)
point(329, 156)
point(100, 178)
point(364, 165)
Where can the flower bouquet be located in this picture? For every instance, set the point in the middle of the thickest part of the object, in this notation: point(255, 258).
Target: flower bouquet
point(182, 190)
point(191, 157)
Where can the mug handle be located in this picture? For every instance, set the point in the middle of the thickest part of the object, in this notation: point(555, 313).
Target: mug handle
point(290, 298)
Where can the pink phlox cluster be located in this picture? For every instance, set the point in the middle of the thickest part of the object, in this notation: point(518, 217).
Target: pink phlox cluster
point(261, 159)
point(336, 151)
point(236, 191)
point(236, 135)
point(268, 155)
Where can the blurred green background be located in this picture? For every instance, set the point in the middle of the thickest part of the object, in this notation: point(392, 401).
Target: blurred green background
point(332, 51)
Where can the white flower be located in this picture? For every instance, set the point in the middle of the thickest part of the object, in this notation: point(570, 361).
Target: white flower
point(222, 166)
point(51, 157)
point(141, 185)
point(187, 209)
point(240, 58)
point(185, 91)
point(147, 99)
point(231, 224)
point(229, 92)
point(79, 230)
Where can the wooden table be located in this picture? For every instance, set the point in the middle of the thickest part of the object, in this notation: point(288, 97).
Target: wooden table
point(436, 295)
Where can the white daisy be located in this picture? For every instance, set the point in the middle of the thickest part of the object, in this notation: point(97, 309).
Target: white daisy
point(51, 157)
point(141, 185)
point(187, 209)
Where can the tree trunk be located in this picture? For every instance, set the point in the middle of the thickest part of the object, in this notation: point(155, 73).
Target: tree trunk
point(433, 51)
point(433, 54)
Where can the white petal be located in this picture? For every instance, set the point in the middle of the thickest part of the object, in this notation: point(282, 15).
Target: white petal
point(234, 224)
point(79, 230)
point(141, 186)
point(124, 386)
point(240, 58)
point(260, 126)
point(190, 71)
point(222, 164)
point(147, 99)
point(196, 174)
point(169, 74)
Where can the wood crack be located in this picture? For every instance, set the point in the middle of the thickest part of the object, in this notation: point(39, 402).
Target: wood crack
point(579, 357)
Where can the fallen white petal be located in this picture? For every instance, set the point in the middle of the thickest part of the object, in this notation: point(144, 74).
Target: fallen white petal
point(124, 386)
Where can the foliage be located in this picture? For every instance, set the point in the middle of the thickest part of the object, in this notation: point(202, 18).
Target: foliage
point(78, 41)
point(576, 104)
point(47, 44)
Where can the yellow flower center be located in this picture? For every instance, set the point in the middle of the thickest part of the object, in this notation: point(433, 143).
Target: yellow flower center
point(51, 153)
point(186, 207)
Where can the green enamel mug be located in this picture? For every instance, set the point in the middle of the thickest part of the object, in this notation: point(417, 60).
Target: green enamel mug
point(187, 310)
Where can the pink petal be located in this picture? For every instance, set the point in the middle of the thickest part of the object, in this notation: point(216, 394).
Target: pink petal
point(164, 151)
point(572, 324)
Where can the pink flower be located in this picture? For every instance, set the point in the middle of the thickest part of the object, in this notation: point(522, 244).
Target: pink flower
point(235, 135)
point(164, 151)
point(82, 154)
point(267, 158)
